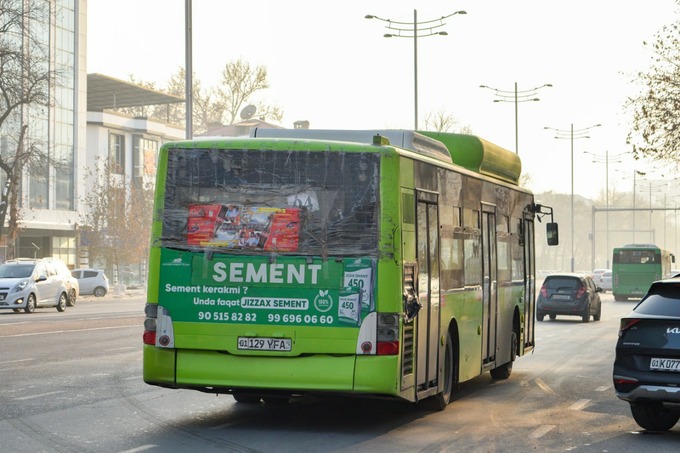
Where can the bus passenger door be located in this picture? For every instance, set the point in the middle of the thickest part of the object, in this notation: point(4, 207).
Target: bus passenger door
point(529, 283)
point(489, 294)
point(427, 330)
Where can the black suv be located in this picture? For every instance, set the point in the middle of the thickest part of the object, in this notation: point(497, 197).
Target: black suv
point(647, 363)
point(569, 294)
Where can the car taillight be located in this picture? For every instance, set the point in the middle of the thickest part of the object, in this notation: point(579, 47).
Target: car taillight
point(581, 291)
point(625, 384)
point(626, 324)
point(388, 334)
point(544, 291)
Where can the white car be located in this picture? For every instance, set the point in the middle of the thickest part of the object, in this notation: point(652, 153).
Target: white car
point(605, 281)
point(27, 284)
point(91, 281)
point(64, 272)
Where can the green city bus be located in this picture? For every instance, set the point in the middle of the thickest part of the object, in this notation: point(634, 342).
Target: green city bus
point(636, 266)
point(362, 263)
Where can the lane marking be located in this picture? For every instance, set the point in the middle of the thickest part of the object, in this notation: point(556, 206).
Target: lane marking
point(602, 388)
point(127, 348)
point(543, 386)
point(16, 361)
point(67, 331)
point(142, 448)
point(578, 405)
point(40, 395)
point(542, 431)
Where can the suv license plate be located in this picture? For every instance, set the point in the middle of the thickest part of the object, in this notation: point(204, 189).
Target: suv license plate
point(265, 344)
point(665, 364)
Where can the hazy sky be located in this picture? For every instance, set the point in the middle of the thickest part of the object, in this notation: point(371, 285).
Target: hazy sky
point(329, 65)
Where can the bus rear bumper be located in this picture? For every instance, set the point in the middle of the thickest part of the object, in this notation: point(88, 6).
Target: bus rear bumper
point(223, 373)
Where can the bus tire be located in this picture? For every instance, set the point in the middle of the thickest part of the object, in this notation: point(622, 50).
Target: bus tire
point(504, 371)
point(443, 398)
point(247, 398)
point(276, 399)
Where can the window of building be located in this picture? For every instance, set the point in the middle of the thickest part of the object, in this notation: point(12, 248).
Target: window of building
point(117, 153)
point(144, 152)
point(64, 248)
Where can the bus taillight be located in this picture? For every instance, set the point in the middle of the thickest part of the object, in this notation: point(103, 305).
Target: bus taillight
point(388, 334)
point(150, 324)
point(149, 337)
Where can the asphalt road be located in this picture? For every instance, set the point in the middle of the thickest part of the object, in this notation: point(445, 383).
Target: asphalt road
point(72, 382)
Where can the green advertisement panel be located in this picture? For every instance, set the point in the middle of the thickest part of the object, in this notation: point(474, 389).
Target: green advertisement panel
point(240, 289)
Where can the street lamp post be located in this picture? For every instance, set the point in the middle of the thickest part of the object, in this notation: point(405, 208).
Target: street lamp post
point(415, 30)
point(598, 159)
point(572, 134)
point(516, 97)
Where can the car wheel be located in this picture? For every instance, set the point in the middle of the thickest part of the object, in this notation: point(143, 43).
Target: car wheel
point(99, 291)
point(71, 301)
point(504, 371)
point(553, 317)
point(539, 316)
point(598, 315)
point(653, 416)
point(443, 398)
point(61, 305)
point(30, 304)
point(585, 317)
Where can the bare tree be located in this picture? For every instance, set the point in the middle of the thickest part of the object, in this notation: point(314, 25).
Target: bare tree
point(442, 121)
point(212, 105)
point(117, 221)
point(25, 82)
point(655, 130)
point(239, 83)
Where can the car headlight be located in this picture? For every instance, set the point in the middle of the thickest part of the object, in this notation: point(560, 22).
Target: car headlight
point(20, 286)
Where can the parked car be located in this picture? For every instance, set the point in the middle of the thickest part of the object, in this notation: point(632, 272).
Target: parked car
point(28, 284)
point(597, 273)
point(91, 281)
point(647, 363)
point(605, 281)
point(569, 294)
point(72, 286)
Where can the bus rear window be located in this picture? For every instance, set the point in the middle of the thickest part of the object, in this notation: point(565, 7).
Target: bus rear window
point(637, 257)
point(245, 201)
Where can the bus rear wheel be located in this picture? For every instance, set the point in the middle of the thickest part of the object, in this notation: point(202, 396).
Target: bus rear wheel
point(443, 398)
point(504, 371)
point(246, 398)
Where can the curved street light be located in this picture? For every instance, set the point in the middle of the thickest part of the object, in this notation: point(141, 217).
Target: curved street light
point(572, 134)
point(516, 96)
point(598, 159)
point(415, 30)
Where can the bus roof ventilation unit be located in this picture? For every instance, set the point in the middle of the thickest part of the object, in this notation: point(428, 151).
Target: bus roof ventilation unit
point(480, 156)
point(402, 138)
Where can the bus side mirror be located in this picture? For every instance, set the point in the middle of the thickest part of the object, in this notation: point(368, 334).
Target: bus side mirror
point(552, 233)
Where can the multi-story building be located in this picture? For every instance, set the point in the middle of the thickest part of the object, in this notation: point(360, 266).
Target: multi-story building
point(72, 129)
point(48, 194)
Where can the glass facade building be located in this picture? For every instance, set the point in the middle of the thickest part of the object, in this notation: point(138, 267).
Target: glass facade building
point(48, 42)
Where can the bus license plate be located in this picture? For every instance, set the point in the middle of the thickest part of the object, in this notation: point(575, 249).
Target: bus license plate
point(265, 344)
point(665, 364)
